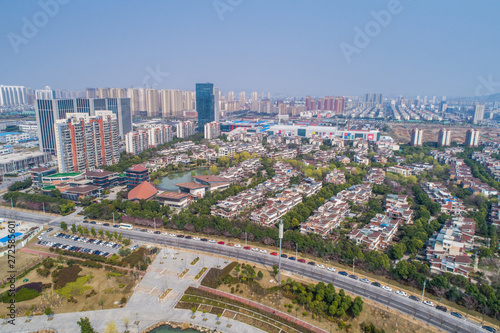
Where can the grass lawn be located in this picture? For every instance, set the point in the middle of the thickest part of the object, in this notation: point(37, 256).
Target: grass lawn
point(22, 259)
point(107, 289)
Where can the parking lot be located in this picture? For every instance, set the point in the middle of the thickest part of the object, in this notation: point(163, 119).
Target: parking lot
point(81, 244)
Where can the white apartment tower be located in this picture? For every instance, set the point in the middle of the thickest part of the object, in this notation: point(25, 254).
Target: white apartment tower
point(444, 137)
point(416, 137)
point(185, 129)
point(212, 130)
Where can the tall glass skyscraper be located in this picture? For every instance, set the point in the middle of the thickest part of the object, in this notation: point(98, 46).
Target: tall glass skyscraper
point(205, 104)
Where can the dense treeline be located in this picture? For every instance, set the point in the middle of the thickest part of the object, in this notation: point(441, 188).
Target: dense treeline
point(21, 185)
point(39, 201)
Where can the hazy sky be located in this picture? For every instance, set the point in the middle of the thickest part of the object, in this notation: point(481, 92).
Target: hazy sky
point(288, 47)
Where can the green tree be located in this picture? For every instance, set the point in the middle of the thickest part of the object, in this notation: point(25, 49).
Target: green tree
point(93, 232)
point(64, 226)
point(213, 170)
point(85, 326)
point(110, 327)
point(73, 228)
point(48, 311)
point(260, 275)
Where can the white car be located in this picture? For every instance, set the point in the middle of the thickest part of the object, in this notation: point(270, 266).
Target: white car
point(263, 251)
point(237, 245)
point(98, 222)
point(331, 269)
point(173, 235)
point(401, 293)
point(387, 288)
point(320, 266)
point(211, 240)
point(164, 233)
point(429, 303)
point(365, 280)
point(255, 249)
point(196, 238)
point(151, 231)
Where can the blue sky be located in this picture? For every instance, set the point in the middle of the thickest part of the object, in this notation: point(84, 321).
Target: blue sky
point(287, 47)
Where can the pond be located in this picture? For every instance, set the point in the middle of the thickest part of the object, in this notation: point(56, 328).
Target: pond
point(168, 182)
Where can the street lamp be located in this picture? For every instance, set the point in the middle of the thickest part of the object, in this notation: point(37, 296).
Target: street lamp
point(279, 259)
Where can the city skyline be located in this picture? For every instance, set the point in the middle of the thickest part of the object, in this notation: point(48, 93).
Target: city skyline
point(261, 43)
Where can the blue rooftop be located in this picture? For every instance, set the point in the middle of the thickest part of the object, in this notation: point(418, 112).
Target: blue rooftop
point(6, 238)
point(9, 133)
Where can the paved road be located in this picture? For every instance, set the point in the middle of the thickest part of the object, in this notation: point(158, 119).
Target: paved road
point(418, 310)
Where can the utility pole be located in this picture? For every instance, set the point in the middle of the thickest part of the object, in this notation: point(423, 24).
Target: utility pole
point(154, 220)
point(279, 259)
point(423, 290)
point(113, 218)
point(245, 237)
point(43, 207)
point(352, 265)
point(11, 203)
point(296, 250)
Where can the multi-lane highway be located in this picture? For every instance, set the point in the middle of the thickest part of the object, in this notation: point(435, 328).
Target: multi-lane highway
point(418, 310)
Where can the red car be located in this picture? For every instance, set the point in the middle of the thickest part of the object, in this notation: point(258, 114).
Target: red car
point(301, 260)
point(274, 254)
point(221, 243)
point(247, 247)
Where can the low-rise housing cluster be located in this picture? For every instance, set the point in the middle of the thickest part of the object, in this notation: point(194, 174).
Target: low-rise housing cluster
point(336, 177)
point(446, 250)
point(327, 217)
point(375, 176)
point(357, 194)
point(437, 192)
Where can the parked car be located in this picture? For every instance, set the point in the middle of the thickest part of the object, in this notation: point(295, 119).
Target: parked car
point(441, 308)
point(204, 240)
point(180, 236)
point(320, 266)
point(414, 298)
point(489, 328)
point(221, 243)
point(246, 248)
point(331, 269)
point(387, 288)
point(291, 258)
point(312, 263)
point(284, 256)
point(211, 241)
point(197, 238)
point(157, 232)
point(343, 273)
point(106, 224)
point(188, 237)
point(354, 277)
point(301, 260)
point(263, 251)
point(456, 314)
point(429, 303)
point(255, 249)
point(401, 293)
point(365, 280)
point(273, 254)
point(237, 245)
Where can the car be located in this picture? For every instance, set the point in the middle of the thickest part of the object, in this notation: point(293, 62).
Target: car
point(401, 293)
point(255, 249)
point(414, 298)
point(291, 258)
point(93, 222)
point(263, 251)
point(489, 328)
point(230, 244)
point(429, 303)
point(284, 256)
point(343, 273)
point(246, 248)
point(188, 237)
point(456, 314)
point(116, 226)
point(331, 269)
point(237, 245)
point(354, 277)
point(173, 235)
point(211, 240)
point(320, 266)
point(312, 263)
point(221, 242)
point(387, 288)
point(273, 254)
point(106, 224)
point(99, 223)
point(85, 221)
point(151, 231)
point(157, 232)
point(49, 229)
point(204, 240)
point(144, 230)
point(365, 280)
point(301, 260)
point(196, 238)
point(441, 308)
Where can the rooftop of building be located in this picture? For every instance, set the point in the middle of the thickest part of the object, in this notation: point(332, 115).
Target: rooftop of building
point(142, 191)
point(62, 175)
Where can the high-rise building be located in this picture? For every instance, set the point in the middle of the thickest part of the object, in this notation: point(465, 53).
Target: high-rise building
point(159, 135)
point(48, 111)
point(136, 142)
point(416, 137)
point(443, 107)
point(444, 137)
point(254, 104)
point(373, 99)
point(91, 93)
point(478, 114)
point(339, 106)
point(185, 129)
point(308, 103)
point(242, 100)
point(230, 96)
point(328, 103)
point(320, 104)
point(206, 104)
point(153, 103)
point(12, 95)
point(212, 130)
point(85, 142)
point(472, 138)
point(46, 93)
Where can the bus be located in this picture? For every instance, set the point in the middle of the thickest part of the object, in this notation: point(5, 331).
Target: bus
point(126, 226)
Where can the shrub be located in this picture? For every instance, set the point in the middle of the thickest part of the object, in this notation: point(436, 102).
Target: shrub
point(123, 300)
point(75, 288)
point(43, 272)
point(23, 294)
point(65, 275)
point(305, 313)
